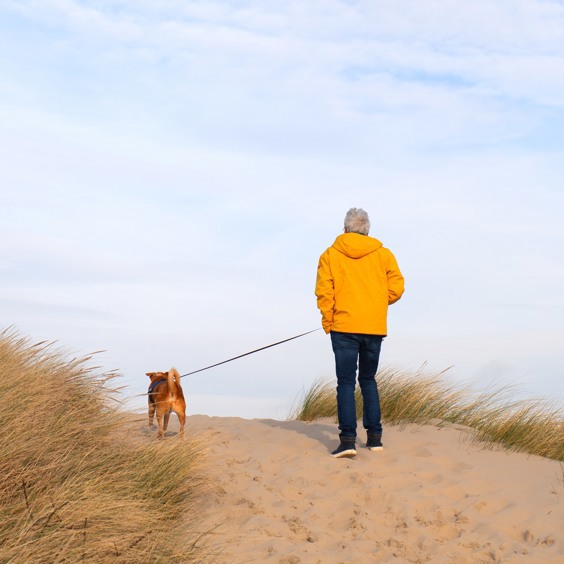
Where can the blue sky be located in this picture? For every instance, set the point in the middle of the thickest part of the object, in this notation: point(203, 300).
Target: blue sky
point(171, 172)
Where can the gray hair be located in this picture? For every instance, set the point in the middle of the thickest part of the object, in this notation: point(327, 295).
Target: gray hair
point(356, 221)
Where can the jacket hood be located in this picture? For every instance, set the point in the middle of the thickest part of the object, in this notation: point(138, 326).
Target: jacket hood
point(356, 246)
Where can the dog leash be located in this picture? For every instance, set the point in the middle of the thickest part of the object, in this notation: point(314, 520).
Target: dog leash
point(242, 355)
point(250, 352)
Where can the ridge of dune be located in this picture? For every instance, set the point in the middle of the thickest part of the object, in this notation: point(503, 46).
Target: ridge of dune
point(277, 495)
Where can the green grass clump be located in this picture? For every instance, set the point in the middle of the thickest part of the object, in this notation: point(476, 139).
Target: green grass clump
point(74, 486)
point(532, 426)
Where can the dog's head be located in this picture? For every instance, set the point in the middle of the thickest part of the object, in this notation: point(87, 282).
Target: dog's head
point(155, 376)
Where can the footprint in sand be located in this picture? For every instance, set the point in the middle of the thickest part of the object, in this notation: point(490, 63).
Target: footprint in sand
point(443, 532)
point(456, 492)
point(459, 467)
point(530, 538)
point(429, 477)
point(423, 452)
point(491, 507)
point(297, 527)
point(289, 560)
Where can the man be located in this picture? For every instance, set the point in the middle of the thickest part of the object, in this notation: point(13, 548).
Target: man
point(357, 278)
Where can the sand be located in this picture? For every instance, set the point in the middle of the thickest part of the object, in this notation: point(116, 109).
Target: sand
point(278, 496)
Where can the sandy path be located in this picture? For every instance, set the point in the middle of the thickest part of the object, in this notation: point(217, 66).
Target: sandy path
point(278, 496)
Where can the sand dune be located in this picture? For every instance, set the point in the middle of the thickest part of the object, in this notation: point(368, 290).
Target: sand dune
point(278, 496)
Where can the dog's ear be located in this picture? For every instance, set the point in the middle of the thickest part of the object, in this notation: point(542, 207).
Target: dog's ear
point(149, 374)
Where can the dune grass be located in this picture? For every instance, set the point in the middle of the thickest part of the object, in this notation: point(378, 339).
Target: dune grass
point(533, 426)
point(74, 487)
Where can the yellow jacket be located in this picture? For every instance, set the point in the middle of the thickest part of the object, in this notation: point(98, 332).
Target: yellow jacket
point(357, 278)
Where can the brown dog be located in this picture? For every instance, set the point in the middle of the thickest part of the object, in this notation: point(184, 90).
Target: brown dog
point(165, 396)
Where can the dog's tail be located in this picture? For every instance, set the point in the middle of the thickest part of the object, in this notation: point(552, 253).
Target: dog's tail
point(174, 384)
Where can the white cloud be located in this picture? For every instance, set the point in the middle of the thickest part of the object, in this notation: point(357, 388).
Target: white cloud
point(173, 171)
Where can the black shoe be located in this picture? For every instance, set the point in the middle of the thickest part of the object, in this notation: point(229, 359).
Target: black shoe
point(374, 442)
point(346, 449)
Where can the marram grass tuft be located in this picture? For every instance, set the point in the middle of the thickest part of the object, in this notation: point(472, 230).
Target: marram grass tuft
point(74, 488)
point(533, 426)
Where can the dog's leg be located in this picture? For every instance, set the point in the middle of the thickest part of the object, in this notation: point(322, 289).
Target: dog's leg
point(151, 413)
point(160, 422)
point(182, 421)
point(166, 418)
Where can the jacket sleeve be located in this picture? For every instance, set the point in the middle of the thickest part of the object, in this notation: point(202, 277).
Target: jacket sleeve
point(325, 292)
point(395, 279)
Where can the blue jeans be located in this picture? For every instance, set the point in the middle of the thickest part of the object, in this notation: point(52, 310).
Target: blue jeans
point(350, 349)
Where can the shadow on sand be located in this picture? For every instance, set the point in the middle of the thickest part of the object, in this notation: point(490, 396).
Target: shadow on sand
point(325, 431)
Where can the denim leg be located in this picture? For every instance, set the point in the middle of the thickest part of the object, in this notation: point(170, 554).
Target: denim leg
point(369, 355)
point(346, 348)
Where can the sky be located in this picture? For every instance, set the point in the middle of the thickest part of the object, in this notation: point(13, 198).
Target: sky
point(171, 172)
